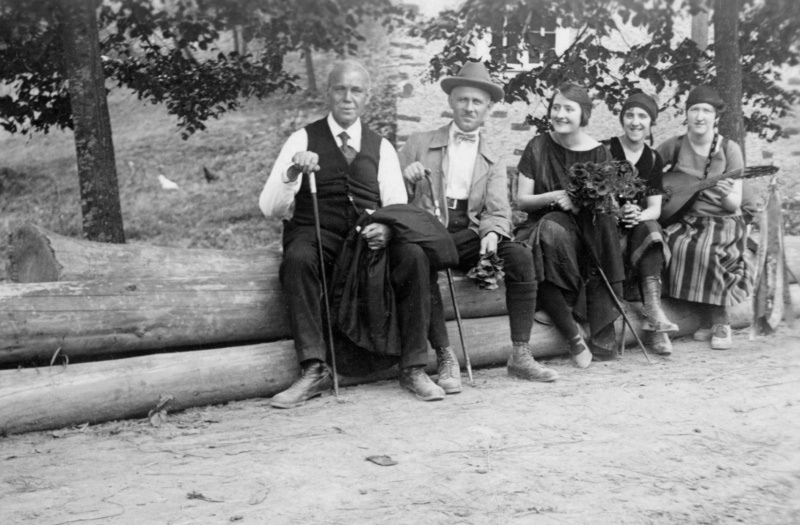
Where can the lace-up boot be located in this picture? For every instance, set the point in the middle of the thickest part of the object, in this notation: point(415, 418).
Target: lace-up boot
point(654, 317)
point(522, 364)
point(449, 371)
point(315, 380)
point(416, 380)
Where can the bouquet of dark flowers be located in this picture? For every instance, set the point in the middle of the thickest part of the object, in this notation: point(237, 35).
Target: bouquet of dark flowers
point(487, 272)
point(604, 187)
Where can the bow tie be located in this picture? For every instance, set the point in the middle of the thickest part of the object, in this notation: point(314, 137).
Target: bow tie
point(465, 137)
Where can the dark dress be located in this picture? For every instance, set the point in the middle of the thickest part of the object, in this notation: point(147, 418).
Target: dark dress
point(560, 240)
point(638, 240)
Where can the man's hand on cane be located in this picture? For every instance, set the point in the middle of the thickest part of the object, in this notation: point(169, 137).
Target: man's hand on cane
point(302, 162)
point(415, 172)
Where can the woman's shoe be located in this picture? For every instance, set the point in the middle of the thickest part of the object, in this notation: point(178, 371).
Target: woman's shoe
point(721, 337)
point(579, 352)
point(660, 343)
point(702, 334)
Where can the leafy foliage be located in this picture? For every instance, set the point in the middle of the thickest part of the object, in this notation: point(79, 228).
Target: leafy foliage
point(175, 55)
point(149, 50)
point(768, 39)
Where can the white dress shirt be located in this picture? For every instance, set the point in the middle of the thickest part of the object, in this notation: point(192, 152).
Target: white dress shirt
point(460, 163)
point(277, 197)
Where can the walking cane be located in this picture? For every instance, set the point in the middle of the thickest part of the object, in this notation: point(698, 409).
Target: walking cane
point(608, 286)
point(452, 286)
point(312, 182)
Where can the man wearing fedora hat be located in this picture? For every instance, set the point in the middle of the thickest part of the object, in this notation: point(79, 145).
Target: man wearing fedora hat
point(454, 164)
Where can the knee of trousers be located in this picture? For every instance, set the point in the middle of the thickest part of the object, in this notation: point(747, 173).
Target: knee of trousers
point(299, 260)
point(517, 263)
point(409, 261)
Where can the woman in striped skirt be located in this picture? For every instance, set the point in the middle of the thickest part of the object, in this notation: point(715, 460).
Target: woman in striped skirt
point(708, 242)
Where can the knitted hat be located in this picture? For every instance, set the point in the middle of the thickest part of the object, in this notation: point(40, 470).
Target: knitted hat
point(705, 95)
point(474, 74)
point(643, 101)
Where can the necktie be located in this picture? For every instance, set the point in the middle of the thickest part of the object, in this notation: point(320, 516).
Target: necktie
point(465, 137)
point(348, 151)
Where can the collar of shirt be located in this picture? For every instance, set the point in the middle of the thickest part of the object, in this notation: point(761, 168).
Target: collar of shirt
point(354, 132)
point(455, 143)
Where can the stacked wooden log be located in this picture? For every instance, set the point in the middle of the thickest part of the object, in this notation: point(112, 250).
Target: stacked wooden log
point(80, 300)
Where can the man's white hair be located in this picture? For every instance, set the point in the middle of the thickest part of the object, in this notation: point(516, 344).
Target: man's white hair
point(349, 65)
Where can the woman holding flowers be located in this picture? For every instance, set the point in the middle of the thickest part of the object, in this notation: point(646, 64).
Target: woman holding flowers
point(557, 229)
point(708, 242)
point(644, 245)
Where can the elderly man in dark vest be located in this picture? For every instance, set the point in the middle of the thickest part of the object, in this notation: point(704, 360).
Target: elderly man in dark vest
point(468, 176)
point(356, 170)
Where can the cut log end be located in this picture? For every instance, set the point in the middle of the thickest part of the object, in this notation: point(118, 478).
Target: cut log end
point(31, 258)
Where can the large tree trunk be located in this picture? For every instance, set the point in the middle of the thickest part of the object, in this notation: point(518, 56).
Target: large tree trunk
point(114, 318)
point(97, 172)
point(40, 399)
point(102, 318)
point(99, 319)
point(43, 399)
point(729, 69)
point(37, 255)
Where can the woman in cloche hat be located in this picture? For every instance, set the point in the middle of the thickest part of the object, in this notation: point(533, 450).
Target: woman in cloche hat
point(646, 249)
point(708, 242)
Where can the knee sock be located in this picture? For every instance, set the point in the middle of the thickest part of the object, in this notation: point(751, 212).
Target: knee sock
point(551, 299)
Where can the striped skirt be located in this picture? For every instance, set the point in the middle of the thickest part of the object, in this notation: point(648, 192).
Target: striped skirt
point(708, 264)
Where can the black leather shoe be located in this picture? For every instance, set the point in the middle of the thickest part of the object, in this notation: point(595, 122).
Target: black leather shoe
point(315, 380)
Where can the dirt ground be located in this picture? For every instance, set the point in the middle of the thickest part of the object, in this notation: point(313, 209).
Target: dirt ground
point(701, 437)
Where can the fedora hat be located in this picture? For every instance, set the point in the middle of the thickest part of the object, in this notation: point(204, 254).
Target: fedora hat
point(474, 74)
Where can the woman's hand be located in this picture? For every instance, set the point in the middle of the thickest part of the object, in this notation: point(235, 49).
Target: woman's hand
point(561, 200)
point(631, 215)
point(725, 187)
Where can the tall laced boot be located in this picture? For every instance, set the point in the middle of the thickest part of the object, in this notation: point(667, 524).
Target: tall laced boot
point(522, 364)
point(415, 379)
point(660, 343)
point(449, 371)
point(654, 317)
point(315, 380)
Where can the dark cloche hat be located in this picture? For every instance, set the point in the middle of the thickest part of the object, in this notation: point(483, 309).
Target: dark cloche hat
point(474, 74)
point(705, 94)
point(641, 100)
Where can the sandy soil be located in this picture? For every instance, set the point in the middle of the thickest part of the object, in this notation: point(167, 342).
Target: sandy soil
point(701, 437)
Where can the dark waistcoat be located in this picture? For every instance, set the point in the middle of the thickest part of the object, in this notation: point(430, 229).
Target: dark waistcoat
point(343, 191)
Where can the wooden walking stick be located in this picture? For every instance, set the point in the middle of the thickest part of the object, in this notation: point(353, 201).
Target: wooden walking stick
point(608, 285)
point(312, 182)
point(438, 212)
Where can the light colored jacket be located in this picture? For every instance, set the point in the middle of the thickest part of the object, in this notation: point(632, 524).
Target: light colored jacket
point(487, 207)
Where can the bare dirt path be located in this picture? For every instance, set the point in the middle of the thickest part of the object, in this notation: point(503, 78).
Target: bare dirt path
point(701, 437)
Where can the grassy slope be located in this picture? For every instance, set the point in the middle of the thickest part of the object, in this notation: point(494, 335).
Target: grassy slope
point(40, 177)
